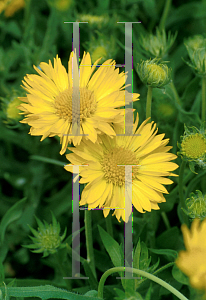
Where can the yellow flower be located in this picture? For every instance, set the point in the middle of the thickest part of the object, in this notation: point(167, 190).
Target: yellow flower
point(93, 19)
point(48, 106)
point(194, 146)
point(192, 261)
point(10, 7)
point(106, 179)
point(100, 51)
point(61, 5)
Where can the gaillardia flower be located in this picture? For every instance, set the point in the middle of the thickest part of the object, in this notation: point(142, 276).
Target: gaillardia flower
point(193, 146)
point(192, 261)
point(52, 105)
point(104, 170)
point(10, 7)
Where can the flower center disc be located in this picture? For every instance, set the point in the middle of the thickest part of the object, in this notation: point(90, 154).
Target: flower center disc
point(111, 161)
point(67, 104)
point(194, 146)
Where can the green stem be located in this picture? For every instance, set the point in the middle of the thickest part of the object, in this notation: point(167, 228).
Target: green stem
point(27, 12)
point(181, 194)
point(62, 269)
point(165, 14)
point(166, 220)
point(175, 136)
point(141, 273)
point(89, 240)
point(177, 98)
point(185, 180)
point(149, 102)
point(108, 220)
point(203, 98)
point(194, 181)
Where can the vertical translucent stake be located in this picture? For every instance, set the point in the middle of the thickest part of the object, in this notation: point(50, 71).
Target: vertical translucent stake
point(75, 76)
point(128, 228)
point(128, 245)
point(75, 226)
point(128, 70)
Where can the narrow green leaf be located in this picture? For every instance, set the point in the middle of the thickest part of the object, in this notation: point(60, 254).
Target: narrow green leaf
point(168, 252)
point(13, 214)
point(45, 292)
point(111, 246)
point(137, 255)
point(48, 160)
point(92, 280)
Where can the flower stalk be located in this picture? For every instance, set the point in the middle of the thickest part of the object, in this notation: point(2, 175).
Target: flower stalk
point(165, 14)
point(181, 194)
point(141, 273)
point(89, 240)
point(149, 102)
point(109, 224)
point(203, 98)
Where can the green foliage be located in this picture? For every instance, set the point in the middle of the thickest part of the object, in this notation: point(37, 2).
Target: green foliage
point(44, 293)
point(33, 181)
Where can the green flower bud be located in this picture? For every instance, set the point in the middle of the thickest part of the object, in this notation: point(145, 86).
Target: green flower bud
point(10, 104)
point(154, 74)
point(156, 45)
point(193, 147)
point(47, 239)
point(195, 42)
point(60, 5)
point(101, 47)
point(196, 206)
point(93, 20)
point(196, 49)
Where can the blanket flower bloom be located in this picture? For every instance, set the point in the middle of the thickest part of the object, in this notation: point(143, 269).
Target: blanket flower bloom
point(104, 170)
point(54, 96)
point(10, 7)
point(192, 261)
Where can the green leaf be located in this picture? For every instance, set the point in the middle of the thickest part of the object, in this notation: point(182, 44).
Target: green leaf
point(45, 292)
point(111, 246)
point(169, 239)
point(149, 292)
point(13, 214)
point(191, 91)
point(168, 252)
point(179, 276)
point(48, 160)
point(92, 293)
point(92, 280)
point(137, 256)
point(103, 5)
point(1, 273)
point(144, 258)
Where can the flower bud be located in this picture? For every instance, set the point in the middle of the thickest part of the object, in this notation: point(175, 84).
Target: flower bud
point(10, 104)
point(195, 42)
point(193, 147)
point(196, 49)
point(10, 7)
point(196, 206)
point(154, 74)
point(47, 239)
point(156, 45)
point(101, 47)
